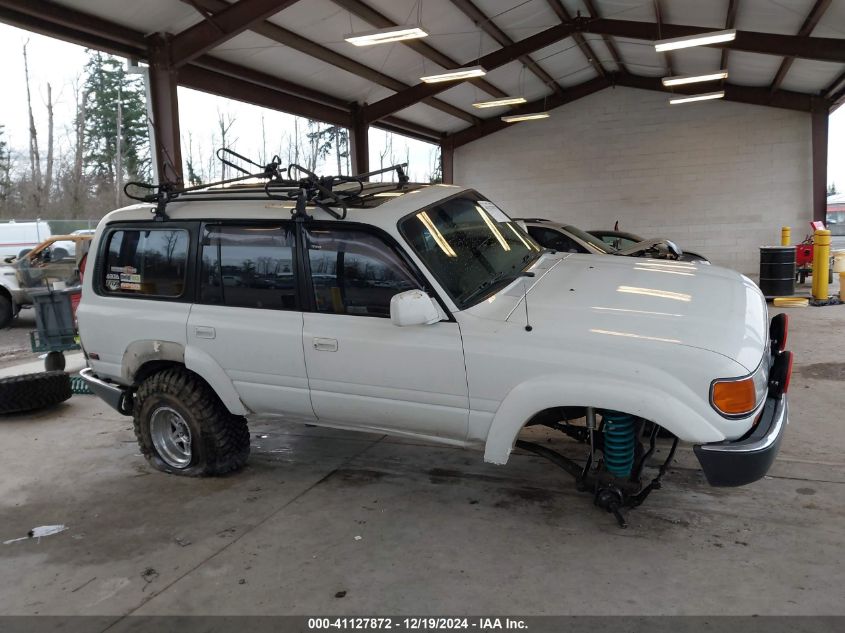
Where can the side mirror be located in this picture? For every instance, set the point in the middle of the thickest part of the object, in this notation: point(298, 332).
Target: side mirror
point(673, 248)
point(413, 307)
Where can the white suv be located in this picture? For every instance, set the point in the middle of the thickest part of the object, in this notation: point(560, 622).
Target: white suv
point(424, 312)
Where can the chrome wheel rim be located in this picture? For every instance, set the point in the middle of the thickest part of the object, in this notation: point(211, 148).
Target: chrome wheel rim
point(171, 437)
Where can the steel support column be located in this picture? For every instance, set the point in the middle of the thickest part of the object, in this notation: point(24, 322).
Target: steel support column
point(819, 134)
point(359, 145)
point(447, 161)
point(167, 150)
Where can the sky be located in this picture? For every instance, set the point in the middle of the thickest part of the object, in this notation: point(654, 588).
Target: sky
point(61, 63)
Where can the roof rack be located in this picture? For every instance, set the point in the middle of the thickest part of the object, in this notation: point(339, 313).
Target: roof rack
point(309, 188)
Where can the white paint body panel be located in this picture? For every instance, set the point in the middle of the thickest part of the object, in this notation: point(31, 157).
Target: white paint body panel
point(642, 336)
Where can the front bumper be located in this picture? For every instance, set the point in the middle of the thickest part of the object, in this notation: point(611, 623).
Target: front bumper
point(744, 461)
point(116, 396)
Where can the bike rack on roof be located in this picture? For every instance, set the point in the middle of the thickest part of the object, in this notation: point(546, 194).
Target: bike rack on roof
point(311, 188)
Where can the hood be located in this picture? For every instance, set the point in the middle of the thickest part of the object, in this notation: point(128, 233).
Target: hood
point(646, 300)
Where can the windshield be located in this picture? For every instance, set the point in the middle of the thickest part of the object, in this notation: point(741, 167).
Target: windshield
point(470, 246)
point(600, 246)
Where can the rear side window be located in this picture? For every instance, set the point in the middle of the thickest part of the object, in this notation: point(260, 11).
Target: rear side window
point(250, 266)
point(146, 262)
point(555, 240)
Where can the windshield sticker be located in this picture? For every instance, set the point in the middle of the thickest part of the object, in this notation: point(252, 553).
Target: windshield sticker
point(113, 284)
point(495, 212)
point(132, 278)
point(129, 286)
point(124, 269)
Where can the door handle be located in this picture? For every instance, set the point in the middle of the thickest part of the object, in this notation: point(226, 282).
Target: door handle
point(203, 331)
point(325, 344)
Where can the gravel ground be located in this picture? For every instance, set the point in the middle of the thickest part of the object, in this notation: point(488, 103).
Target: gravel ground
point(14, 340)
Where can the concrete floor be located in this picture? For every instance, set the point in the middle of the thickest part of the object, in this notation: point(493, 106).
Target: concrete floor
point(415, 529)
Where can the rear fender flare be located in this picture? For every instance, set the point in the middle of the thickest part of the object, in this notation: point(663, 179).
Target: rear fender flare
point(203, 364)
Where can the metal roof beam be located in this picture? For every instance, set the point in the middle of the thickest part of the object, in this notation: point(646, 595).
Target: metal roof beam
point(303, 45)
point(211, 32)
point(810, 23)
point(497, 58)
point(730, 20)
point(380, 21)
point(564, 16)
point(608, 41)
point(824, 49)
point(658, 14)
point(54, 20)
point(487, 25)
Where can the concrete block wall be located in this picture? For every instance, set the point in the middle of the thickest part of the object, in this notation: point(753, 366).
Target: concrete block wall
point(719, 178)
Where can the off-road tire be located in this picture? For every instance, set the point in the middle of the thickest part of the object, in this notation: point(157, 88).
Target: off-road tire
point(219, 439)
point(33, 391)
point(7, 313)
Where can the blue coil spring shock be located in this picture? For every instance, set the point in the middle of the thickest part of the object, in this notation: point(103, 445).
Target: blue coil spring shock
point(620, 440)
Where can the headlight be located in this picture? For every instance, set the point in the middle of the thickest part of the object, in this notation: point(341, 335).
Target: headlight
point(739, 397)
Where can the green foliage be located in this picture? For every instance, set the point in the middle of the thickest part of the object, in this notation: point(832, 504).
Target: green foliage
point(4, 166)
point(107, 82)
point(328, 140)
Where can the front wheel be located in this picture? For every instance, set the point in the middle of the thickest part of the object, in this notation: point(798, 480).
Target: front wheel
point(184, 429)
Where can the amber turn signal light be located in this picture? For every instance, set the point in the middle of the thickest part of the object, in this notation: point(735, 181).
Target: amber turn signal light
point(734, 397)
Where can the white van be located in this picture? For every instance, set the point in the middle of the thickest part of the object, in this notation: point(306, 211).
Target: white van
point(17, 238)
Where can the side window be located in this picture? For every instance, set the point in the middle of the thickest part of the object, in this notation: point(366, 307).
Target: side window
point(355, 272)
point(249, 266)
point(554, 239)
point(146, 262)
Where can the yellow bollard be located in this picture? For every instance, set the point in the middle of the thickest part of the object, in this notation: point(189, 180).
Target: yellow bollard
point(821, 264)
point(785, 235)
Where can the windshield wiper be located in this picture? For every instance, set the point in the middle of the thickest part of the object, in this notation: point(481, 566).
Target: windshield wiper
point(489, 283)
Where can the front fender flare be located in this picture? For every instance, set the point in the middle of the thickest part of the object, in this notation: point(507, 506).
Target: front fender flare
point(544, 392)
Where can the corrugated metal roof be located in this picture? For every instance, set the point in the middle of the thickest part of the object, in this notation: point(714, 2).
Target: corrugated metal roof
point(455, 35)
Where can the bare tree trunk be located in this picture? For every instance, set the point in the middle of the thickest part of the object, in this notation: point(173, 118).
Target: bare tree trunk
point(79, 150)
point(34, 156)
point(225, 122)
point(296, 141)
point(48, 174)
point(337, 148)
point(263, 160)
point(118, 155)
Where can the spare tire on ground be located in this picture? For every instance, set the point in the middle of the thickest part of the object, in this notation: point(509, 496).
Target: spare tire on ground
point(33, 391)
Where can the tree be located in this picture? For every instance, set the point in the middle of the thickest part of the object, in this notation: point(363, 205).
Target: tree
point(5, 168)
point(34, 155)
point(107, 84)
point(831, 189)
point(323, 141)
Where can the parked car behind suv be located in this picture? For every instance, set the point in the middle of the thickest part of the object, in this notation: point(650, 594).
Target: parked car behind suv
point(55, 259)
point(427, 313)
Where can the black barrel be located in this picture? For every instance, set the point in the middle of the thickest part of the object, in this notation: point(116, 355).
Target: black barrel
point(777, 271)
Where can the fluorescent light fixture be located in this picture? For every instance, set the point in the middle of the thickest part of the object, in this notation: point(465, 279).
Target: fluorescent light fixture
point(713, 37)
point(531, 116)
point(495, 103)
point(702, 97)
point(459, 74)
point(383, 36)
point(681, 80)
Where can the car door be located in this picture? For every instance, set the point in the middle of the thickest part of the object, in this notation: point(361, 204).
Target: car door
point(363, 370)
point(248, 316)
